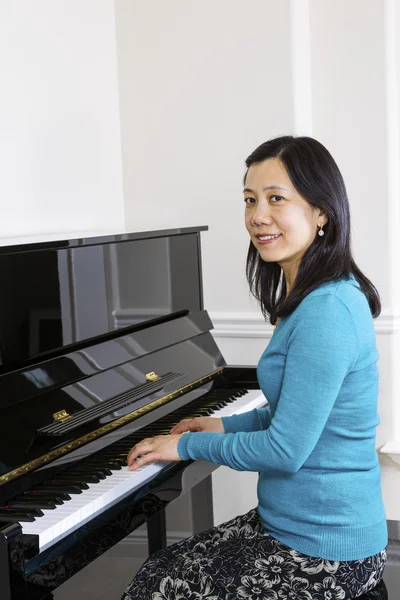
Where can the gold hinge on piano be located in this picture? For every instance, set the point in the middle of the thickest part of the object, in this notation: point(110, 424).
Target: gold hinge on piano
point(152, 377)
point(61, 416)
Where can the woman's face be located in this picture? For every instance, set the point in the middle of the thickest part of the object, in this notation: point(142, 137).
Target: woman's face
point(275, 208)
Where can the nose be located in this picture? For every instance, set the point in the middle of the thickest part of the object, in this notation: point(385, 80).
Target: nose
point(261, 214)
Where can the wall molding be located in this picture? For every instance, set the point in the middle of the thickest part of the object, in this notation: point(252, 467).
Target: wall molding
point(239, 325)
point(392, 450)
point(253, 325)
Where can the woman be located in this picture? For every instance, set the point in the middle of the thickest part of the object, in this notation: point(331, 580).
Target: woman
point(319, 530)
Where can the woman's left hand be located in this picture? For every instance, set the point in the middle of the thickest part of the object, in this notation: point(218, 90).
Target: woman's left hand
point(161, 447)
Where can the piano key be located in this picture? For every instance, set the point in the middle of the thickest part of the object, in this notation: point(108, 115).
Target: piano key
point(91, 470)
point(35, 512)
point(28, 504)
point(37, 495)
point(70, 480)
point(57, 524)
point(81, 477)
point(57, 488)
point(20, 517)
point(54, 494)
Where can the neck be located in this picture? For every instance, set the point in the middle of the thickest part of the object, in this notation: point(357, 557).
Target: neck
point(289, 279)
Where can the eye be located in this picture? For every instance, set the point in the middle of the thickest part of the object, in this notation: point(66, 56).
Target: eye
point(277, 198)
point(249, 201)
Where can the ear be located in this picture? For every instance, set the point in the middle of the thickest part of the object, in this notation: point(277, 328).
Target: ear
point(325, 219)
point(322, 217)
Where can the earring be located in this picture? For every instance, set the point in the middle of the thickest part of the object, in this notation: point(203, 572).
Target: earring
point(321, 231)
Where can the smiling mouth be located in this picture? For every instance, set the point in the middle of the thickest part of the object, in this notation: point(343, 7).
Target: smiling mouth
point(263, 239)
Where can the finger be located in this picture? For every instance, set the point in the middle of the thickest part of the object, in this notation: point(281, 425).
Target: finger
point(143, 460)
point(142, 447)
point(182, 426)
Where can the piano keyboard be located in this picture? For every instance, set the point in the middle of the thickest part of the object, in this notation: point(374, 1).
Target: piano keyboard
point(65, 518)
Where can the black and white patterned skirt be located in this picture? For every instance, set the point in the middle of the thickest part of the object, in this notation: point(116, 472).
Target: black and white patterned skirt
point(238, 560)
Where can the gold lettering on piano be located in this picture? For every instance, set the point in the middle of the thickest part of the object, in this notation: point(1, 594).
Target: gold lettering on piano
point(61, 416)
point(54, 454)
point(152, 377)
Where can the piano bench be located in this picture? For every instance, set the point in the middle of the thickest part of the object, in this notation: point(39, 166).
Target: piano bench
point(379, 592)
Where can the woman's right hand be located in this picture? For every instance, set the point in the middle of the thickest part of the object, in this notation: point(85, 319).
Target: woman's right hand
point(212, 424)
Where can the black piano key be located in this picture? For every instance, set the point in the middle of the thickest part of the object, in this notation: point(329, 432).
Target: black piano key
point(54, 495)
point(191, 415)
point(105, 471)
point(199, 412)
point(38, 495)
point(35, 512)
point(219, 403)
point(117, 466)
point(212, 405)
point(121, 447)
point(125, 451)
point(157, 432)
point(195, 408)
point(220, 400)
point(26, 504)
point(212, 401)
point(64, 487)
point(106, 464)
point(114, 463)
point(82, 478)
point(147, 433)
point(71, 479)
point(16, 516)
point(87, 469)
point(109, 462)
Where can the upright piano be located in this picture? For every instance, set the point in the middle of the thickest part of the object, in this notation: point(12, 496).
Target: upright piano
point(103, 341)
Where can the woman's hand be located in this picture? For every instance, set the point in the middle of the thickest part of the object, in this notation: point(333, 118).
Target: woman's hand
point(161, 447)
point(212, 424)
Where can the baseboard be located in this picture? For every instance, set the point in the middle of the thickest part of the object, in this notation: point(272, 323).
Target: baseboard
point(140, 537)
point(135, 544)
point(392, 450)
point(393, 551)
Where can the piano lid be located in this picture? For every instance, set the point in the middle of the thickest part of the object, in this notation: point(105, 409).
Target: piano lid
point(61, 294)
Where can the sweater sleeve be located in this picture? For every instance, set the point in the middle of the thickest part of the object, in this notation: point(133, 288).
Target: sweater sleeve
point(253, 420)
point(321, 350)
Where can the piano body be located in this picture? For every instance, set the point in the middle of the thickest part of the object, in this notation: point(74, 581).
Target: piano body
point(103, 341)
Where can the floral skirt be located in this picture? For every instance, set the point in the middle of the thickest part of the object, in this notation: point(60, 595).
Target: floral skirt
point(238, 560)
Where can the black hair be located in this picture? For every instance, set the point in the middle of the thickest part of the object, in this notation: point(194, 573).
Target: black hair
point(316, 177)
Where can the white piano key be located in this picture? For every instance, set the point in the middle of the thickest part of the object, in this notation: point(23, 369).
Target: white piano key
point(68, 517)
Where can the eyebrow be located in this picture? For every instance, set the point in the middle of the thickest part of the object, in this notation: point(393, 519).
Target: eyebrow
point(268, 187)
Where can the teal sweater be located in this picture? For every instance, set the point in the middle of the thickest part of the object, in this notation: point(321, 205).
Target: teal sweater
point(319, 489)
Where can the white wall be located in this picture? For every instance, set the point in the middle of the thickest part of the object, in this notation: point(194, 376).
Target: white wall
point(197, 95)
point(201, 85)
point(60, 152)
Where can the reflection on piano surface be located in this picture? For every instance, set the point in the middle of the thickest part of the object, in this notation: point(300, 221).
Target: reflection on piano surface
point(103, 341)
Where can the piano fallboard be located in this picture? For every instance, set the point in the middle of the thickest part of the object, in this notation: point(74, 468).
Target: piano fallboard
point(193, 359)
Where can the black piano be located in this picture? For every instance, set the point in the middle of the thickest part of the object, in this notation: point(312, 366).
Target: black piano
point(103, 341)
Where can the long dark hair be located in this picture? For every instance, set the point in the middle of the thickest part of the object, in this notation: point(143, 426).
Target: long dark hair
point(315, 175)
